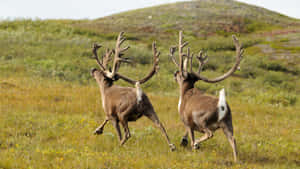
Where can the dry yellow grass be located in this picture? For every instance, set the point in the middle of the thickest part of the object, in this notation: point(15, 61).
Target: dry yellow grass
point(46, 124)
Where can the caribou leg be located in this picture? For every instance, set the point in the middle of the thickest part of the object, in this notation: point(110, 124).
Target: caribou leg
point(184, 140)
point(228, 131)
point(153, 117)
point(99, 130)
point(192, 136)
point(117, 127)
point(126, 131)
point(207, 135)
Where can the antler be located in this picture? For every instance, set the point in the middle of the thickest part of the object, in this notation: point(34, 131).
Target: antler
point(106, 58)
point(182, 62)
point(114, 75)
point(202, 61)
point(186, 60)
point(155, 67)
point(172, 51)
point(180, 51)
point(151, 73)
point(95, 48)
point(118, 53)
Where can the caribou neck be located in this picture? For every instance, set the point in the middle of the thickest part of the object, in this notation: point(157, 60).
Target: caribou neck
point(104, 85)
point(183, 88)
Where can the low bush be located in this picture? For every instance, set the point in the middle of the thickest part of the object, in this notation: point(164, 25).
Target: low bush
point(273, 66)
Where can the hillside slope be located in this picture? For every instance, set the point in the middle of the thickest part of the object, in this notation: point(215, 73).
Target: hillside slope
point(60, 49)
point(200, 17)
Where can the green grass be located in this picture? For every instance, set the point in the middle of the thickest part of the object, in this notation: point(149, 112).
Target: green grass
point(49, 103)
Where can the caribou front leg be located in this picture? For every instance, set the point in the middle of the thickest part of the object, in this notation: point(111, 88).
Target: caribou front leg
point(117, 127)
point(126, 132)
point(192, 137)
point(184, 140)
point(99, 130)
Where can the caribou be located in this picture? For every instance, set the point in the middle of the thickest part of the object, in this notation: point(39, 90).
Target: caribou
point(198, 111)
point(124, 104)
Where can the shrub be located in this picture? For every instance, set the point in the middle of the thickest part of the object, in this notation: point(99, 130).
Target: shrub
point(283, 99)
point(272, 65)
point(140, 55)
point(236, 86)
point(273, 79)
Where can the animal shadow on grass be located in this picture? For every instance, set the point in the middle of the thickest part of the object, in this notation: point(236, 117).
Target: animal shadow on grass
point(260, 158)
point(245, 157)
point(5, 85)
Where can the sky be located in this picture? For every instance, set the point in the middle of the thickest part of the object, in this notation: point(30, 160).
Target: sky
point(92, 9)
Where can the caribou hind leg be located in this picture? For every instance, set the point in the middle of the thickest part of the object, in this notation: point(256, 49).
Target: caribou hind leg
point(207, 135)
point(153, 117)
point(228, 131)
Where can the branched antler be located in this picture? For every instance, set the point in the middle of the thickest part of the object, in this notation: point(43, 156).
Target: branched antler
point(239, 53)
point(107, 58)
point(186, 60)
point(151, 73)
point(203, 59)
point(172, 51)
point(181, 45)
point(118, 51)
point(95, 56)
point(191, 62)
point(182, 60)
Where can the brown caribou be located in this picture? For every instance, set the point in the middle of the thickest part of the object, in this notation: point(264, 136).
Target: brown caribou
point(124, 104)
point(198, 111)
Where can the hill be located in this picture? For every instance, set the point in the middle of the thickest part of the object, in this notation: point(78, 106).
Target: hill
point(198, 17)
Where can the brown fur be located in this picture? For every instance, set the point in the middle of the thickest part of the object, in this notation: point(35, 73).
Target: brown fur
point(120, 105)
point(199, 112)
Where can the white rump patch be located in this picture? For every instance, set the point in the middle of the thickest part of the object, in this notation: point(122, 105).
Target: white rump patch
point(222, 107)
point(139, 92)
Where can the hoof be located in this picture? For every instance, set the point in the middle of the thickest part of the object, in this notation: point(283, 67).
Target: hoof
point(172, 147)
point(184, 142)
point(98, 132)
point(196, 146)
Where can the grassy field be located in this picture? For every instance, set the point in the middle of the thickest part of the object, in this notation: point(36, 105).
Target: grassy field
point(50, 105)
point(49, 125)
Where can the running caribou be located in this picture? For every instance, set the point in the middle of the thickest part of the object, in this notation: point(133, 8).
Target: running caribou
point(124, 104)
point(198, 111)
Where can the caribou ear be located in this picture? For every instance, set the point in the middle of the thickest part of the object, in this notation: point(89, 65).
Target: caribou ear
point(92, 71)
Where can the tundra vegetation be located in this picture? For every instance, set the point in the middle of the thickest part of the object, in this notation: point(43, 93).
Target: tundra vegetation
point(50, 105)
